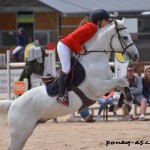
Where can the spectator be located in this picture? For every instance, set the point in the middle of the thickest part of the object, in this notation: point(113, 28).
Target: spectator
point(136, 88)
point(18, 51)
point(146, 84)
point(104, 100)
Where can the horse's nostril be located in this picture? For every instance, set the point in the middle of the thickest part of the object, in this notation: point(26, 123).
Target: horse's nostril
point(136, 56)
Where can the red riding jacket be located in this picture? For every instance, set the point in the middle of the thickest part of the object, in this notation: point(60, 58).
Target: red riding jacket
point(78, 37)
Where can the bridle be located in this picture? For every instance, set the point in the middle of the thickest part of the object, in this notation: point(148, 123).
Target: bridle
point(123, 44)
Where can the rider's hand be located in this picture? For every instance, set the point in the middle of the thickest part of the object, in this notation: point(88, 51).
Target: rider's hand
point(82, 52)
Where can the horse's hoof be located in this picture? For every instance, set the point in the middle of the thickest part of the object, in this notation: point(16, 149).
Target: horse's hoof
point(89, 118)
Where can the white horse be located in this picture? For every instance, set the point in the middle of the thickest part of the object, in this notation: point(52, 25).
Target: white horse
point(36, 106)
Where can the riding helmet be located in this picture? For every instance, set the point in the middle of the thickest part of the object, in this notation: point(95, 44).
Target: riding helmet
point(99, 15)
point(21, 30)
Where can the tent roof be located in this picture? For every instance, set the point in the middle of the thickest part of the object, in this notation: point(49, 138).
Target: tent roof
point(86, 6)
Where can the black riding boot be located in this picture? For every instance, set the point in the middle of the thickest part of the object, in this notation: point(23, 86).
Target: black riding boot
point(62, 86)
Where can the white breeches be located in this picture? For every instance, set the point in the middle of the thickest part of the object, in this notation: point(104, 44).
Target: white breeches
point(64, 53)
point(17, 49)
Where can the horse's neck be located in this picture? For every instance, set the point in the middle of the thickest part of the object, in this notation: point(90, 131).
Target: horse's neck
point(94, 59)
point(96, 64)
point(100, 42)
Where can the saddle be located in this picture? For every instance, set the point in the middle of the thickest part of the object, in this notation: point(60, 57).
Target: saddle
point(76, 77)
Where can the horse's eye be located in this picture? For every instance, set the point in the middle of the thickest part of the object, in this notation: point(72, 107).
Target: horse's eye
point(125, 37)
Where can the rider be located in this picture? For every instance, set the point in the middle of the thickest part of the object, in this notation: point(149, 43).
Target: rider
point(20, 45)
point(73, 43)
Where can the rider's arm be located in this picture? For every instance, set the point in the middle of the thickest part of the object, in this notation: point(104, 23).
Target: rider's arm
point(81, 35)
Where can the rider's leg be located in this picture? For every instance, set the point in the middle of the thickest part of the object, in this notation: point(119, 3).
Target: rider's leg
point(64, 56)
point(15, 53)
point(62, 86)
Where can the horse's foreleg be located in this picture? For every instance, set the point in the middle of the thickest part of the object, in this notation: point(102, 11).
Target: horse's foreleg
point(126, 105)
point(127, 100)
point(123, 85)
point(120, 100)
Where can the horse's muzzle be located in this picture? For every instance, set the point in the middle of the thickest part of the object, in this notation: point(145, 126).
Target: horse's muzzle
point(136, 56)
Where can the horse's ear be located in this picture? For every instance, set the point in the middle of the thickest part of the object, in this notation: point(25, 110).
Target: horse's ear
point(123, 20)
point(116, 24)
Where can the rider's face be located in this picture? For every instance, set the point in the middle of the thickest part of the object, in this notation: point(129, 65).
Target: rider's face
point(104, 22)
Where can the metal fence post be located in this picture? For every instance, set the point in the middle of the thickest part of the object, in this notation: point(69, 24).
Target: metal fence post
point(8, 74)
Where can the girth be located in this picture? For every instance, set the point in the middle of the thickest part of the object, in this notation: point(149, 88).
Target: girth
point(86, 102)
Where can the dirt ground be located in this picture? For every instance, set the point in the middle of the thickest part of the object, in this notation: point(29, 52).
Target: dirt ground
point(85, 136)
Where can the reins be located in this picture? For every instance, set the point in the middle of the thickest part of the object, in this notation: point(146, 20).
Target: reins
point(123, 45)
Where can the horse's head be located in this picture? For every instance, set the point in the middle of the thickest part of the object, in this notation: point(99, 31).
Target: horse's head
point(121, 40)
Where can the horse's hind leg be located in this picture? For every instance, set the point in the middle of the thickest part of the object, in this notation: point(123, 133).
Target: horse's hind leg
point(20, 134)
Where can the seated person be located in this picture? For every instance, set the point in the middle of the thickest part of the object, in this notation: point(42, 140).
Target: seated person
point(136, 88)
point(104, 100)
point(146, 84)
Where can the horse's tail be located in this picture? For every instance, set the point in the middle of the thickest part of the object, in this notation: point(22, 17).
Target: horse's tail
point(4, 107)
